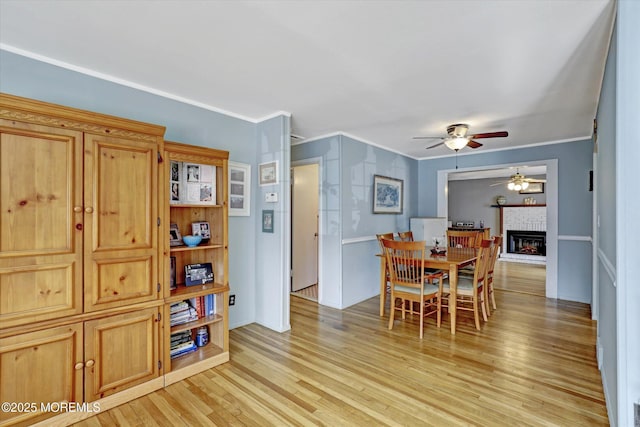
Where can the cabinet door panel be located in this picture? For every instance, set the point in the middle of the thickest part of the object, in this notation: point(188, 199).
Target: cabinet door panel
point(120, 221)
point(40, 222)
point(124, 349)
point(133, 276)
point(39, 367)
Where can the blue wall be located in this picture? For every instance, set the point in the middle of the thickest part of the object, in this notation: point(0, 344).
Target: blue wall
point(575, 160)
point(606, 235)
point(349, 267)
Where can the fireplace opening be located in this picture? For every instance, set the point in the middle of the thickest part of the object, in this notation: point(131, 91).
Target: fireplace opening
point(527, 242)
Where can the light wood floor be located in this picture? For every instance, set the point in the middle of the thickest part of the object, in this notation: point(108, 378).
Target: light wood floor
point(533, 364)
point(520, 277)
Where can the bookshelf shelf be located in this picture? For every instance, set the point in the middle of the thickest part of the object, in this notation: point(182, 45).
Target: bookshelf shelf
point(183, 248)
point(202, 353)
point(185, 292)
point(207, 320)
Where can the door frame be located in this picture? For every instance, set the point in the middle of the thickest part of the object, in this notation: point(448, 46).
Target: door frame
point(321, 225)
point(551, 188)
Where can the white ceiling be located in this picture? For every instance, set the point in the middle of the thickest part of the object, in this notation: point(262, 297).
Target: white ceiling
point(380, 71)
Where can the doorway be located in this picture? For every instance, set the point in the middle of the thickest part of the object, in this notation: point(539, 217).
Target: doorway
point(304, 231)
point(551, 268)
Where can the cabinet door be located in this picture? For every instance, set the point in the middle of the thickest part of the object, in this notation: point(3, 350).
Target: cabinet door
point(121, 222)
point(40, 223)
point(120, 351)
point(40, 367)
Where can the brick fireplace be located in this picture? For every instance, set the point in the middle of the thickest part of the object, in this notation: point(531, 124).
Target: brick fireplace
point(524, 228)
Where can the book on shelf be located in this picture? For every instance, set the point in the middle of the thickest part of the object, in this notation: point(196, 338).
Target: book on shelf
point(182, 312)
point(183, 348)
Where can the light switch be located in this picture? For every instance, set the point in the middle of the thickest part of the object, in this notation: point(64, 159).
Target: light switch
point(271, 197)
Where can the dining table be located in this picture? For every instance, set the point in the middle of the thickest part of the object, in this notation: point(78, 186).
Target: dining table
point(450, 261)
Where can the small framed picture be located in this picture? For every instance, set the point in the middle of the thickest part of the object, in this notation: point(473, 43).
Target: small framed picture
point(267, 221)
point(201, 228)
point(172, 277)
point(193, 173)
point(175, 238)
point(268, 173)
point(198, 274)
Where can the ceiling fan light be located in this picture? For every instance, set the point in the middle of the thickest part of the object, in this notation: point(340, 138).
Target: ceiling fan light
point(525, 184)
point(511, 186)
point(517, 187)
point(456, 143)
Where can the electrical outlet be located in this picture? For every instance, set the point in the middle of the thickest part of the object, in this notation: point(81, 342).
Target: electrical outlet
point(232, 300)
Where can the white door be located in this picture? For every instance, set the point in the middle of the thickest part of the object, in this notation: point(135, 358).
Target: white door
point(304, 224)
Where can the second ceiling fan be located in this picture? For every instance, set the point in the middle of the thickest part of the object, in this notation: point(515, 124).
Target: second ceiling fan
point(457, 137)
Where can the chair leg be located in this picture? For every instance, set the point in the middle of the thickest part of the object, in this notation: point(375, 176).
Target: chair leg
point(421, 317)
point(493, 298)
point(439, 314)
point(392, 310)
point(476, 315)
point(483, 306)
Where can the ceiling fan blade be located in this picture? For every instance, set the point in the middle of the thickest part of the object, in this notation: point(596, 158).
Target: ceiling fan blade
point(498, 183)
point(427, 137)
point(490, 135)
point(474, 144)
point(435, 145)
point(535, 180)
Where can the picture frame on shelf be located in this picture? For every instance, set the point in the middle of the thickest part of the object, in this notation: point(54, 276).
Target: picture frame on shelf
point(533, 188)
point(267, 221)
point(172, 277)
point(202, 229)
point(239, 189)
point(198, 274)
point(175, 175)
point(175, 238)
point(268, 173)
point(387, 195)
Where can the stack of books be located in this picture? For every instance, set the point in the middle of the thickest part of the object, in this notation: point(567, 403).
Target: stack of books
point(182, 312)
point(204, 305)
point(181, 343)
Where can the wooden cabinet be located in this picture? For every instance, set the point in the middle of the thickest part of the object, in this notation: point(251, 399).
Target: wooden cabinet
point(81, 362)
point(80, 295)
point(215, 251)
point(85, 259)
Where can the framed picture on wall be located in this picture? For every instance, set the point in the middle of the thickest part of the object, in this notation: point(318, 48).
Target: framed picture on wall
point(239, 189)
point(267, 221)
point(533, 188)
point(387, 195)
point(268, 173)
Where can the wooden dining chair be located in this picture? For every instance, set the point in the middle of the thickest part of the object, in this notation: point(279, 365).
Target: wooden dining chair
point(463, 238)
point(405, 236)
point(497, 244)
point(409, 282)
point(470, 290)
point(381, 237)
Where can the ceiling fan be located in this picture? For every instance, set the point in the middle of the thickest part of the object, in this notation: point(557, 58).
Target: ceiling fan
point(518, 182)
point(459, 139)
